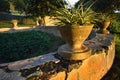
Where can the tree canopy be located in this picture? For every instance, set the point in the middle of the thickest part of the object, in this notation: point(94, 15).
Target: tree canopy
point(106, 5)
point(44, 7)
point(4, 5)
point(22, 5)
point(37, 7)
point(103, 5)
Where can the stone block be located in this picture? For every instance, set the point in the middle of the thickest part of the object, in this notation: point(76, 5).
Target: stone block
point(73, 75)
point(93, 67)
point(59, 76)
point(110, 55)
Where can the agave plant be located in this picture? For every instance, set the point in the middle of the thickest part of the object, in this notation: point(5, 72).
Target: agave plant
point(82, 15)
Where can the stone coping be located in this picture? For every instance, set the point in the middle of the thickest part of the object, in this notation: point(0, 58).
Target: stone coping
point(31, 62)
point(50, 67)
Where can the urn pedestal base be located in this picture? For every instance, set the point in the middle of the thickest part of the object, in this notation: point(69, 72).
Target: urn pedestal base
point(105, 31)
point(65, 51)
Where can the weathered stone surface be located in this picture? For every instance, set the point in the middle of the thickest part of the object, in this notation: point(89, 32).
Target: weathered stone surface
point(97, 65)
point(73, 75)
point(32, 62)
point(59, 76)
point(10, 75)
point(16, 78)
point(5, 64)
point(100, 42)
point(110, 55)
point(65, 52)
point(93, 67)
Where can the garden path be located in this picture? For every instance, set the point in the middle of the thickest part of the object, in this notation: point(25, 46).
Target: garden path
point(49, 29)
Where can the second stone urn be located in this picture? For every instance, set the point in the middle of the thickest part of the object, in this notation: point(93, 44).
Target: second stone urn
point(105, 26)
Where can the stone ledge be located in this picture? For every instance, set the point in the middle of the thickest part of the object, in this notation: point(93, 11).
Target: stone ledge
point(97, 65)
point(31, 62)
point(48, 67)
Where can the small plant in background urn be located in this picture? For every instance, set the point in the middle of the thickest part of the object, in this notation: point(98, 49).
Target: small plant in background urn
point(104, 19)
point(75, 26)
point(15, 23)
point(105, 10)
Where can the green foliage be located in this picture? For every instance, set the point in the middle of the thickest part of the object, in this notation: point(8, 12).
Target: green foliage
point(115, 25)
point(43, 7)
point(22, 5)
point(37, 8)
point(21, 45)
point(104, 9)
point(4, 5)
point(102, 17)
point(82, 15)
point(106, 5)
point(117, 49)
point(5, 24)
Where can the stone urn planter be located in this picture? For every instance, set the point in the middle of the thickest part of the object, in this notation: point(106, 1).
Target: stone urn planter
point(74, 37)
point(105, 26)
point(75, 26)
point(14, 23)
point(104, 19)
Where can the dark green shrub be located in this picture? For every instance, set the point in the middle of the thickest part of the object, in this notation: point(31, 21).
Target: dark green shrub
point(21, 45)
point(115, 25)
point(117, 45)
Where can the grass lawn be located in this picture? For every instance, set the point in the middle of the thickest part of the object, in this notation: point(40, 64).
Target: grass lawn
point(5, 24)
point(8, 24)
point(21, 45)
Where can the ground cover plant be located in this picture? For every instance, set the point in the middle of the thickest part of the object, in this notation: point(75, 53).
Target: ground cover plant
point(21, 45)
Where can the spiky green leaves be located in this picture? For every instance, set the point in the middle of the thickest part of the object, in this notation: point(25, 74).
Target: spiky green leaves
point(82, 15)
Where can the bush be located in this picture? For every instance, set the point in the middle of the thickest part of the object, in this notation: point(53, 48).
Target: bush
point(115, 25)
point(117, 45)
point(21, 45)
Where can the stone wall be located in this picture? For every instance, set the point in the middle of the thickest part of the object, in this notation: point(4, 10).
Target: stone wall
point(53, 67)
point(94, 67)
